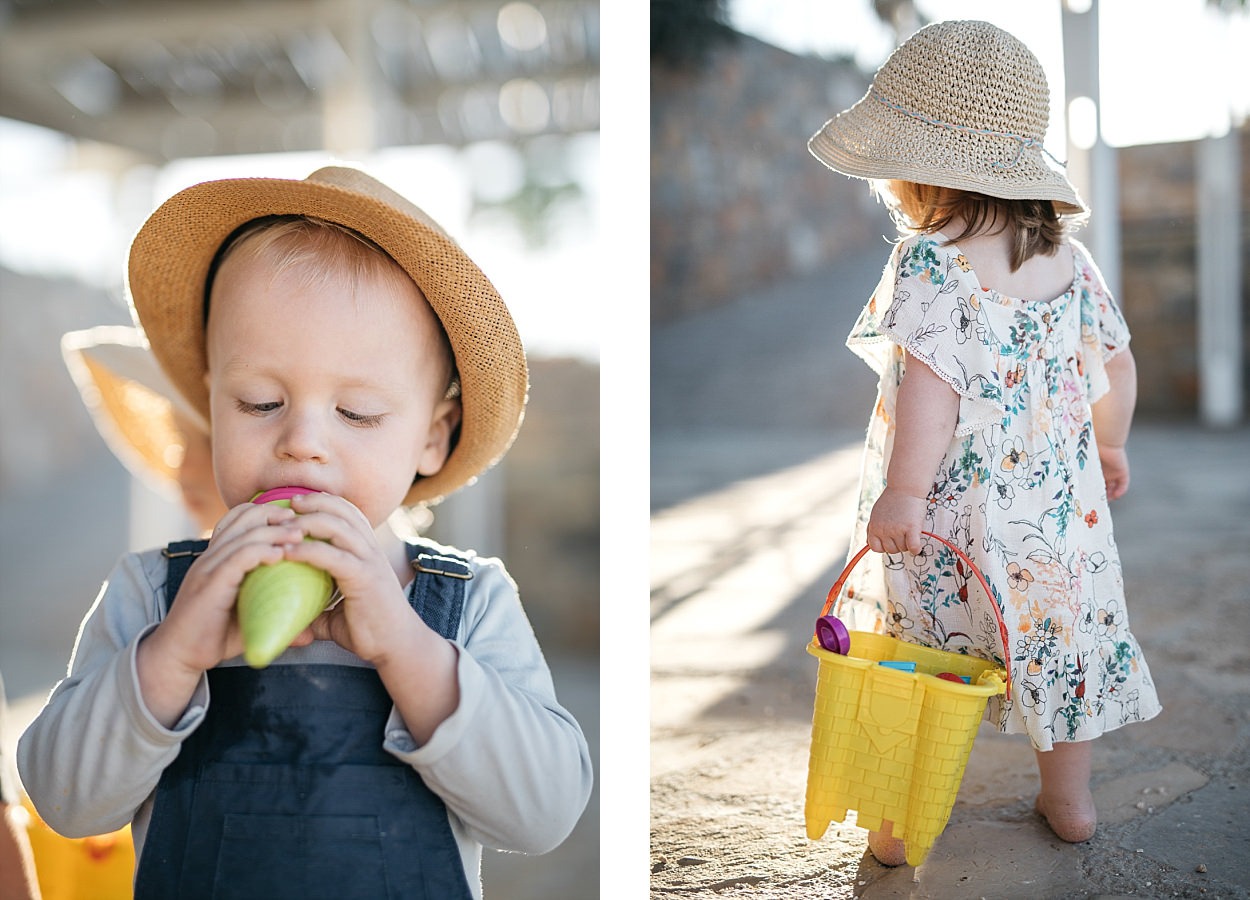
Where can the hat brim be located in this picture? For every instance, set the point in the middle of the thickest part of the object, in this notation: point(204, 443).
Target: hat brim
point(130, 401)
point(171, 256)
point(873, 141)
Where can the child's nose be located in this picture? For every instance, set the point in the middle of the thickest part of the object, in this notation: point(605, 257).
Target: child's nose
point(303, 438)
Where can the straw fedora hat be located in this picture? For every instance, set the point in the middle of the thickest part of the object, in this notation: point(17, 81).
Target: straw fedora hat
point(172, 255)
point(959, 104)
point(131, 402)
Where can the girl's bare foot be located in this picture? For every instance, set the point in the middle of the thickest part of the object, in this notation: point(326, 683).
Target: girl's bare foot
point(1071, 820)
point(889, 850)
point(1065, 801)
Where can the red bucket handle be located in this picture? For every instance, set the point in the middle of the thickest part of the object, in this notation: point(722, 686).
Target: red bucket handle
point(1002, 626)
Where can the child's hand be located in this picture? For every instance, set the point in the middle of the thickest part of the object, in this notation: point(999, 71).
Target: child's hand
point(374, 619)
point(895, 523)
point(1114, 470)
point(200, 629)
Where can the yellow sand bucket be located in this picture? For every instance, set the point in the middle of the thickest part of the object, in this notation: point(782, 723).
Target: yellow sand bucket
point(91, 868)
point(892, 744)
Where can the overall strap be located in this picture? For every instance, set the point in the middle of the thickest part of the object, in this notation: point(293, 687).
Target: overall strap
point(438, 591)
point(180, 555)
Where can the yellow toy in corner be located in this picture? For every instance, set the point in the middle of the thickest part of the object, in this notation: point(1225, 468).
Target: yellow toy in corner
point(101, 867)
point(893, 744)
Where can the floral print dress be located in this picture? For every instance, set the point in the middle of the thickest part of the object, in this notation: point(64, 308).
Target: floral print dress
point(1020, 490)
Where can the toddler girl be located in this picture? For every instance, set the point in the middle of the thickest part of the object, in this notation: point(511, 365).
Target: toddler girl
point(1005, 397)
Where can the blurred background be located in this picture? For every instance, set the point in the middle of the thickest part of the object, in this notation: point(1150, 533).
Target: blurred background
point(1149, 104)
point(761, 260)
point(485, 113)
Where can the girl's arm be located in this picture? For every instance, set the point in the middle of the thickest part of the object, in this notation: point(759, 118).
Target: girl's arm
point(1112, 416)
point(925, 415)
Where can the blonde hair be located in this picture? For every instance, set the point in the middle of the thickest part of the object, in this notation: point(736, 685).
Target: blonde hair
point(1034, 225)
point(321, 252)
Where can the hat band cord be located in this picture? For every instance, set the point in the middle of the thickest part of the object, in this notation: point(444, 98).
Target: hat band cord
point(1023, 141)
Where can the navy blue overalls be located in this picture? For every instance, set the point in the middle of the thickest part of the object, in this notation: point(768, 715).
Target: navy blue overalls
point(285, 791)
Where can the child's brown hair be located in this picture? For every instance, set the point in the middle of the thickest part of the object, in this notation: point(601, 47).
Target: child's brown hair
point(1034, 225)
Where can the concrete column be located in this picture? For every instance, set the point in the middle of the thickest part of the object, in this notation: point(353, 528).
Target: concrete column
point(1220, 393)
point(351, 99)
point(1092, 165)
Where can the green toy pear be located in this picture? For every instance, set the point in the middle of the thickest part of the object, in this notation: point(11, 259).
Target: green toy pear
point(277, 602)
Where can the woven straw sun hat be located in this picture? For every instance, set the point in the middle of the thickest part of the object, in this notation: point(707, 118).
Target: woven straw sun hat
point(131, 402)
point(960, 104)
point(171, 257)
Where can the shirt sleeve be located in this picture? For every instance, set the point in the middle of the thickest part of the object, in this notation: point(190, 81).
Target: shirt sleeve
point(1104, 332)
point(927, 303)
point(95, 735)
point(511, 763)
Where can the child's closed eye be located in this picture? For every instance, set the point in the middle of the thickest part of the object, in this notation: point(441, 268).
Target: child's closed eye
point(360, 419)
point(257, 409)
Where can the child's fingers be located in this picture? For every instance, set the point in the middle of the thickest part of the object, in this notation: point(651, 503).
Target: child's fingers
point(273, 527)
point(247, 515)
point(335, 521)
point(231, 556)
point(227, 521)
point(225, 570)
point(333, 527)
point(340, 552)
point(330, 503)
point(260, 532)
point(893, 544)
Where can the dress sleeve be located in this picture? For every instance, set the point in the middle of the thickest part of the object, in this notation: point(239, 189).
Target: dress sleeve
point(1104, 333)
point(931, 310)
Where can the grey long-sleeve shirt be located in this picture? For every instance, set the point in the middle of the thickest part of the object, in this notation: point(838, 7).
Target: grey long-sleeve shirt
point(511, 765)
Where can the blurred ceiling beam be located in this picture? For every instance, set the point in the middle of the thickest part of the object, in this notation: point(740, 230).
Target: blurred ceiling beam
point(164, 78)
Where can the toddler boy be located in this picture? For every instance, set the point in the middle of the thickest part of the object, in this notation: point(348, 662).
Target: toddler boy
point(337, 341)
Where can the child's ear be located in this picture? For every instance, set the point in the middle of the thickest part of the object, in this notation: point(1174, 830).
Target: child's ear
point(437, 447)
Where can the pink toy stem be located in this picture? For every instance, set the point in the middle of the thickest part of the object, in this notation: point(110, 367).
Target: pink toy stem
point(282, 493)
point(836, 590)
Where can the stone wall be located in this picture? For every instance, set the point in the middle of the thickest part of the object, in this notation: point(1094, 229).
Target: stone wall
point(736, 199)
